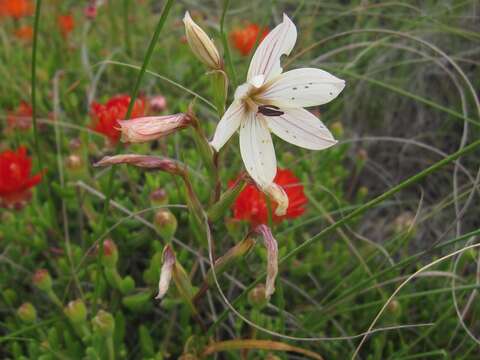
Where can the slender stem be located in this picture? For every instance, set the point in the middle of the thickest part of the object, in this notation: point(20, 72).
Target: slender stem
point(226, 48)
point(133, 97)
point(360, 210)
point(126, 27)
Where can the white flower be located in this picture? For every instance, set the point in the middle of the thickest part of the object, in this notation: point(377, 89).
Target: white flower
point(272, 101)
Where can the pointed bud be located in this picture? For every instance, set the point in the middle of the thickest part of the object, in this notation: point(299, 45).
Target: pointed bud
point(257, 296)
point(279, 196)
point(76, 311)
point(110, 253)
point(144, 161)
point(159, 197)
point(201, 45)
point(219, 209)
point(151, 128)
point(158, 103)
point(27, 313)
point(167, 271)
point(165, 223)
point(104, 323)
point(272, 258)
point(42, 280)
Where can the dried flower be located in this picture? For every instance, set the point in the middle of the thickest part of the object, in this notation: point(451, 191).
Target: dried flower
point(166, 272)
point(272, 258)
point(251, 204)
point(144, 161)
point(272, 101)
point(202, 46)
point(152, 127)
point(105, 116)
point(245, 38)
point(15, 178)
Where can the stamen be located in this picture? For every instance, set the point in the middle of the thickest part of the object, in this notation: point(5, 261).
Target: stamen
point(270, 110)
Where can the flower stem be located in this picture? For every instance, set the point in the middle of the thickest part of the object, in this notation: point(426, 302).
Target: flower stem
point(226, 48)
point(353, 214)
point(133, 97)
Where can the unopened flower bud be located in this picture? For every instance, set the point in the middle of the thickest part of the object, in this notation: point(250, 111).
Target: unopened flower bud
point(76, 311)
point(337, 129)
point(104, 323)
point(150, 128)
point(27, 313)
point(158, 103)
point(257, 296)
point(110, 253)
point(167, 271)
point(73, 163)
point(201, 45)
point(75, 145)
point(159, 197)
point(166, 223)
point(277, 194)
point(42, 280)
point(394, 307)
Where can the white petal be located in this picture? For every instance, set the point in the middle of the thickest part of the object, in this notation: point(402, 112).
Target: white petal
point(257, 150)
point(228, 124)
point(300, 127)
point(279, 41)
point(303, 87)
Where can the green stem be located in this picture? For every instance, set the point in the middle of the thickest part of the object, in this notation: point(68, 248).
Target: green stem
point(226, 48)
point(411, 180)
point(133, 97)
point(110, 348)
point(126, 27)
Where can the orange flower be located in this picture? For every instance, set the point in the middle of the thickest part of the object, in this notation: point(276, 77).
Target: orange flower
point(105, 116)
point(16, 8)
point(24, 33)
point(244, 39)
point(66, 23)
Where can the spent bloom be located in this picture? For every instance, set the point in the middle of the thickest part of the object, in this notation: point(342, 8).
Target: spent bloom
point(150, 128)
point(272, 101)
point(166, 272)
point(244, 39)
point(15, 177)
point(105, 116)
point(201, 44)
point(251, 204)
point(272, 258)
point(16, 8)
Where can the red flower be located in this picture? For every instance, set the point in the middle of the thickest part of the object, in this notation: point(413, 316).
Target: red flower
point(251, 204)
point(16, 8)
point(105, 116)
point(66, 23)
point(15, 179)
point(21, 118)
point(244, 39)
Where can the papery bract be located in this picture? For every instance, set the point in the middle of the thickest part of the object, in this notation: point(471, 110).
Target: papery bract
point(15, 177)
point(251, 204)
